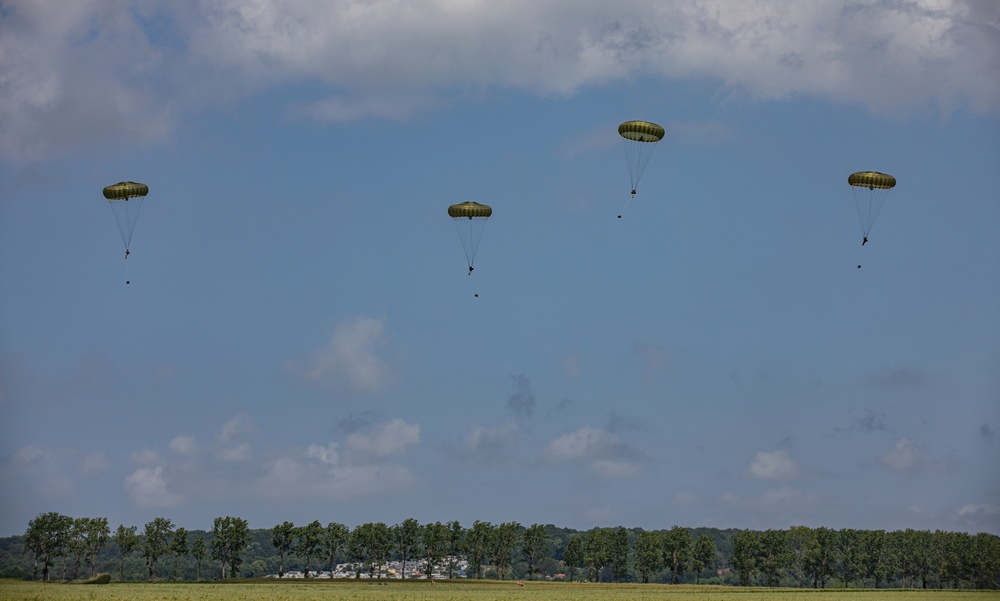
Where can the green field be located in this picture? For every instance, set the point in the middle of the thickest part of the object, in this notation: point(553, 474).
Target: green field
point(287, 590)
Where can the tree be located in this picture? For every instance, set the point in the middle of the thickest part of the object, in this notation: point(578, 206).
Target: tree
point(676, 551)
point(619, 549)
point(456, 539)
point(308, 541)
point(746, 550)
point(849, 554)
point(178, 548)
point(504, 542)
point(76, 544)
point(597, 551)
point(126, 539)
point(875, 556)
point(406, 537)
point(334, 539)
point(535, 543)
point(648, 556)
point(45, 538)
point(985, 568)
point(573, 555)
point(478, 541)
point(956, 557)
point(96, 537)
point(799, 538)
point(229, 541)
point(820, 557)
point(435, 543)
point(282, 536)
point(198, 552)
point(369, 544)
point(155, 541)
point(703, 556)
point(775, 556)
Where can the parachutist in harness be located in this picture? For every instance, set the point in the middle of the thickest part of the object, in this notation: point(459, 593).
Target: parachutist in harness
point(633, 192)
point(470, 269)
point(865, 241)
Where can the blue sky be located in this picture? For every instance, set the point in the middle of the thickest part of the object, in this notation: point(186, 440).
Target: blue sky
point(300, 339)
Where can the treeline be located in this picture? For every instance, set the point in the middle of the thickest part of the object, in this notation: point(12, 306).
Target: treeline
point(59, 547)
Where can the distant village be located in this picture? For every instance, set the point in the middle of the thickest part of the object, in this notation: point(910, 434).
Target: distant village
point(415, 570)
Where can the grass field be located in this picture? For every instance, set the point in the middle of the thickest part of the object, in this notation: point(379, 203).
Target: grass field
point(291, 590)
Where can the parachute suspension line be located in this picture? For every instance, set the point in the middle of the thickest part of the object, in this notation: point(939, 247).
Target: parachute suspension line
point(627, 201)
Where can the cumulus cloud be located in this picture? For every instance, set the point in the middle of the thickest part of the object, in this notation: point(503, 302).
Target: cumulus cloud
point(91, 71)
point(774, 465)
point(350, 360)
point(364, 464)
point(183, 445)
point(387, 439)
point(904, 456)
point(603, 452)
point(231, 436)
point(148, 488)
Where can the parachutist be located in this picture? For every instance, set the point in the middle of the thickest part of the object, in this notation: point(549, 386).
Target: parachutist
point(859, 265)
point(126, 253)
point(633, 192)
point(477, 295)
point(470, 270)
point(619, 216)
point(865, 241)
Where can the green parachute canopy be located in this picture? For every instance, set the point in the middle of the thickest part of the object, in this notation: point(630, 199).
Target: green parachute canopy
point(126, 199)
point(639, 139)
point(470, 220)
point(871, 189)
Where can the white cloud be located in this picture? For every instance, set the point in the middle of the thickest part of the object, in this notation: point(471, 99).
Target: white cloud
point(304, 478)
point(387, 439)
point(183, 445)
point(603, 452)
point(904, 456)
point(774, 465)
point(148, 488)
point(364, 468)
point(79, 74)
point(235, 453)
point(350, 360)
point(972, 509)
point(327, 454)
point(232, 444)
point(237, 426)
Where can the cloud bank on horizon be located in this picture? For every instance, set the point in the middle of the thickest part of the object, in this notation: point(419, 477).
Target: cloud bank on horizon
point(149, 65)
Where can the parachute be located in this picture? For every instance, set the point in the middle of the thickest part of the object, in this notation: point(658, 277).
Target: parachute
point(871, 189)
point(470, 220)
point(639, 139)
point(126, 199)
